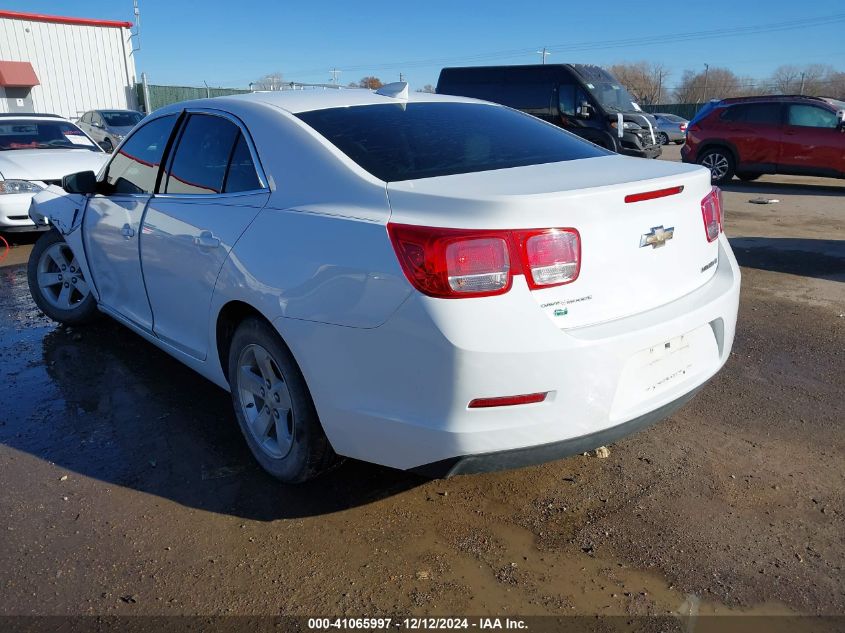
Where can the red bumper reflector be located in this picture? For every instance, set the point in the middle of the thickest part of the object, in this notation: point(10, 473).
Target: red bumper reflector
point(651, 195)
point(508, 401)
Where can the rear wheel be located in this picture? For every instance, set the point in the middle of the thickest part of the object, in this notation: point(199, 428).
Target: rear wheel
point(747, 177)
point(274, 407)
point(720, 163)
point(57, 283)
point(663, 138)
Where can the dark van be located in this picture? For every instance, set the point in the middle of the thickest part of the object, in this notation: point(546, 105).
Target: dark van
point(584, 99)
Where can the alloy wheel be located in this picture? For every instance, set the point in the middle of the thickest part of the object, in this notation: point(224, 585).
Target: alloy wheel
point(60, 279)
point(718, 165)
point(265, 401)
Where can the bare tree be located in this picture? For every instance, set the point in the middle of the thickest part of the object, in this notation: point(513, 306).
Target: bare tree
point(645, 81)
point(273, 81)
point(714, 83)
point(426, 88)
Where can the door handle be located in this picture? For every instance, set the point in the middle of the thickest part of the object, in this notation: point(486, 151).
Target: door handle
point(127, 231)
point(206, 239)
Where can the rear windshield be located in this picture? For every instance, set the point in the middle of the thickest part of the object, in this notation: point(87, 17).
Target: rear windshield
point(42, 134)
point(423, 140)
point(121, 119)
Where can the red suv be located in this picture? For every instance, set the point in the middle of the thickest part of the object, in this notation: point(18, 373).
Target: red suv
point(752, 136)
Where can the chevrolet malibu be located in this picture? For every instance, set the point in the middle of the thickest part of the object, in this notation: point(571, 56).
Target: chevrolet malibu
point(422, 281)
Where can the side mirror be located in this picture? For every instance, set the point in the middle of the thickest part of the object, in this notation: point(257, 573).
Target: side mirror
point(84, 182)
point(840, 117)
point(584, 111)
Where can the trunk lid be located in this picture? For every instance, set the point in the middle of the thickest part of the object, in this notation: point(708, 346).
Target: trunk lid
point(618, 276)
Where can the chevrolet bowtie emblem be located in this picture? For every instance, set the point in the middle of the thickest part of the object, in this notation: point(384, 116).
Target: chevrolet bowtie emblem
point(657, 237)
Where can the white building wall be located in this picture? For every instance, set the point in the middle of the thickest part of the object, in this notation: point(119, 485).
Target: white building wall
point(80, 67)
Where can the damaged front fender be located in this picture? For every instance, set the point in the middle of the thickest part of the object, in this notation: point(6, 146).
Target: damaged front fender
point(64, 212)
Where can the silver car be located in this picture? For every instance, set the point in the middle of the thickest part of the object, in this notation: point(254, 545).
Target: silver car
point(671, 128)
point(108, 127)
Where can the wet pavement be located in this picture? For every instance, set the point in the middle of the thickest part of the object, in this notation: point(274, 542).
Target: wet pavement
point(127, 488)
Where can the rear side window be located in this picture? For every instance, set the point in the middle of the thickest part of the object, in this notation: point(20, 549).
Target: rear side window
point(242, 175)
point(759, 113)
point(811, 116)
point(135, 167)
point(202, 156)
point(211, 157)
point(424, 140)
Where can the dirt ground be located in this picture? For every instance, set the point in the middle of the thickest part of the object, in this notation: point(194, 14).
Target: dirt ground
point(127, 489)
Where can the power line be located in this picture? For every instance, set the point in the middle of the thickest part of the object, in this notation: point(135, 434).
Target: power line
point(650, 40)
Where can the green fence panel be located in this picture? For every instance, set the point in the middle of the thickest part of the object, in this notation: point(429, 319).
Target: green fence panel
point(165, 95)
point(685, 110)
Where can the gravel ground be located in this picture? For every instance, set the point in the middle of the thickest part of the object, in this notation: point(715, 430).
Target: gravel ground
point(128, 490)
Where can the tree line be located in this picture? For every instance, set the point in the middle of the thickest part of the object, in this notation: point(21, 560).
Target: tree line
point(649, 82)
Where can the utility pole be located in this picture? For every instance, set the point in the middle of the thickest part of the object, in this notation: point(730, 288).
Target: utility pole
point(335, 73)
point(802, 83)
point(544, 54)
point(401, 77)
point(706, 72)
point(659, 85)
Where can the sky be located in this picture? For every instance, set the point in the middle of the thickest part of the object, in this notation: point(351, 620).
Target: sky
point(230, 44)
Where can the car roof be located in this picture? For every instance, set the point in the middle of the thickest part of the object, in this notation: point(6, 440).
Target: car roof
point(771, 98)
point(30, 115)
point(296, 101)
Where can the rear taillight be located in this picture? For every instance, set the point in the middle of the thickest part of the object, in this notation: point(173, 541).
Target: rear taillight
point(477, 265)
point(455, 263)
point(551, 257)
point(711, 211)
point(683, 127)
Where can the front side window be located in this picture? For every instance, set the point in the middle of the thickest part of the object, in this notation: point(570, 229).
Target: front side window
point(422, 140)
point(24, 134)
point(812, 116)
point(212, 157)
point(135, 167)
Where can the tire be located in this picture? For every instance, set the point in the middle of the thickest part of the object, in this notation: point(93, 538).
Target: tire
point(747, 177)
point(274, 407)
point(681, 142)
point(663, 138)
point(721, 164)
point(108, 146)
point(57, 284)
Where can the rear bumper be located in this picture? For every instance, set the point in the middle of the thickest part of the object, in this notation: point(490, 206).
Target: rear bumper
point(398, 394)
point(532, 455)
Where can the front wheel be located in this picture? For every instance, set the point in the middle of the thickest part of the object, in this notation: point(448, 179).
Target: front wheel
point(274, 407)
point(57, 283)
point(720, 163)
point(108, 146)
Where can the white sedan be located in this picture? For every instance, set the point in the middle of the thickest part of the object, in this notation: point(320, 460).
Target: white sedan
point(422, 281)
point(36, 150)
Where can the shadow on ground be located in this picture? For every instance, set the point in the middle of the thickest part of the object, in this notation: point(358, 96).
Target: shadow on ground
point(102, 402)
point(822, 259)
point(775, 189)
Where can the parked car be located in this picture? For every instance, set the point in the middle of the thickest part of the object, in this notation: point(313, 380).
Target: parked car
point(671, 128)
point(422, 281)
point(752, 136)
point(108, 127)
point(36, 150)
point(583, 99)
